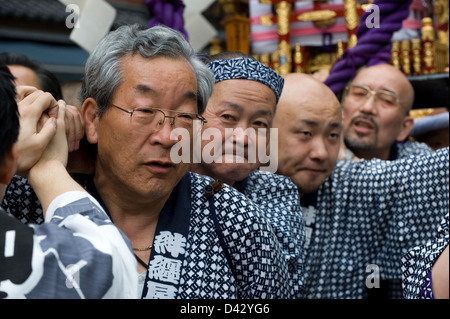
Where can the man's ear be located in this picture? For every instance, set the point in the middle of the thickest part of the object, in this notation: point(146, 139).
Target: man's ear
point(407, 126)
point(8, 166)
point(90, 117)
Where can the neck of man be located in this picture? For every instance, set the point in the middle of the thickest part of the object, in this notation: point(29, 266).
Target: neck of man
point(137, 216)
point(369, 154)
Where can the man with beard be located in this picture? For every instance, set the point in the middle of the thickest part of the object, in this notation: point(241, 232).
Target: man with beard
point(376, 119)
point(361, 216)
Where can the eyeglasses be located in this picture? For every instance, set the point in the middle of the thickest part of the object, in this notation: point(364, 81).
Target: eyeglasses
point(361, 93)
point(144, 117)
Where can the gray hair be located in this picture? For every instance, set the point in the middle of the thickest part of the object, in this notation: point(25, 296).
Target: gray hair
point(103, 72)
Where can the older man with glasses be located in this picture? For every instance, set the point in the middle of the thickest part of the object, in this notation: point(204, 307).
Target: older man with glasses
point(376, 120)
point(376, 117)
point(193, 237)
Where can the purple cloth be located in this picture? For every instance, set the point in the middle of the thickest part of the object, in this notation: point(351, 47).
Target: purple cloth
point(168, 13)
point(373, 46)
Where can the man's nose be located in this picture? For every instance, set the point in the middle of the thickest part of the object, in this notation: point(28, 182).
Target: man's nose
point(240, 134)
point(319, 150)
point(369, 105)
point(162, 133)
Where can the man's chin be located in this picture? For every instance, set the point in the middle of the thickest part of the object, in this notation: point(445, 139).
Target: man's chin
point(234, 172)
point(234, 159)
point(307, 186)
point(359, 143)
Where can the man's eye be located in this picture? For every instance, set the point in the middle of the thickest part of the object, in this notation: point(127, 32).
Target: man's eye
point(261, 124)
point(186, 116)
point(145, 111)
point(387, 99)
point(334, 135)
point(359, 92)
point(227, 117)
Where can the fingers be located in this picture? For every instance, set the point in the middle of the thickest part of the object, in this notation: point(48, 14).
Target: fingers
point(58, 148)
point(36, 106)
point(54, 129)
point(23, 91)
point(49, 125)
point(62, 112)
point(74, 127)
point(38, 102)
point(48, 131)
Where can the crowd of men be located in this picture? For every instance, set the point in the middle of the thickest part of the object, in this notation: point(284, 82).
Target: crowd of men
point(282, 190)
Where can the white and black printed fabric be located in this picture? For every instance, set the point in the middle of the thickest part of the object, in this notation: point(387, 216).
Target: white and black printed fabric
point(76, 253)
point(256, 269)
point(278, 198)
point(260, 270)
point(417, 264)
point(392, 288)
point(21, 201)
point(369, 213)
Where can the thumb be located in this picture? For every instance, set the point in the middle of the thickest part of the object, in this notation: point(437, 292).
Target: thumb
point(52, 125)
point(61, 114)
point(47, 131)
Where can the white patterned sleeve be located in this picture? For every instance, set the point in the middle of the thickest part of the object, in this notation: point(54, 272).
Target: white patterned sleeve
point(76, 253)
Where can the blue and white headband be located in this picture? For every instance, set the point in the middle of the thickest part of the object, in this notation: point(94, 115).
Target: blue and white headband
point(247, 69)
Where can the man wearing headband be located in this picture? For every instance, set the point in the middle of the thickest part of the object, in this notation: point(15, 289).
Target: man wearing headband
point(234, 144)
point(193, 238)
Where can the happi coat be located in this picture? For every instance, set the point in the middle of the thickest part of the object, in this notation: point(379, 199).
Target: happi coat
point(418, 262)
point(278, 198)
point(76, 253)
point(213, 248)
point(392, 288)
point(400, 150)
point(408, 148)
point(254, 266)
point(366, 216)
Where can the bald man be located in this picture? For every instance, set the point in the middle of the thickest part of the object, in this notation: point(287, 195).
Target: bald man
point(360, 216)
point(316, 128)
point(376, 117)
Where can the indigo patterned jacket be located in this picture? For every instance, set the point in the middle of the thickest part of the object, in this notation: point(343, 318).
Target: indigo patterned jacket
point(279, 200)
point(417, 264)
point(249, 264)
point(366, 216)
point(254, 266)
